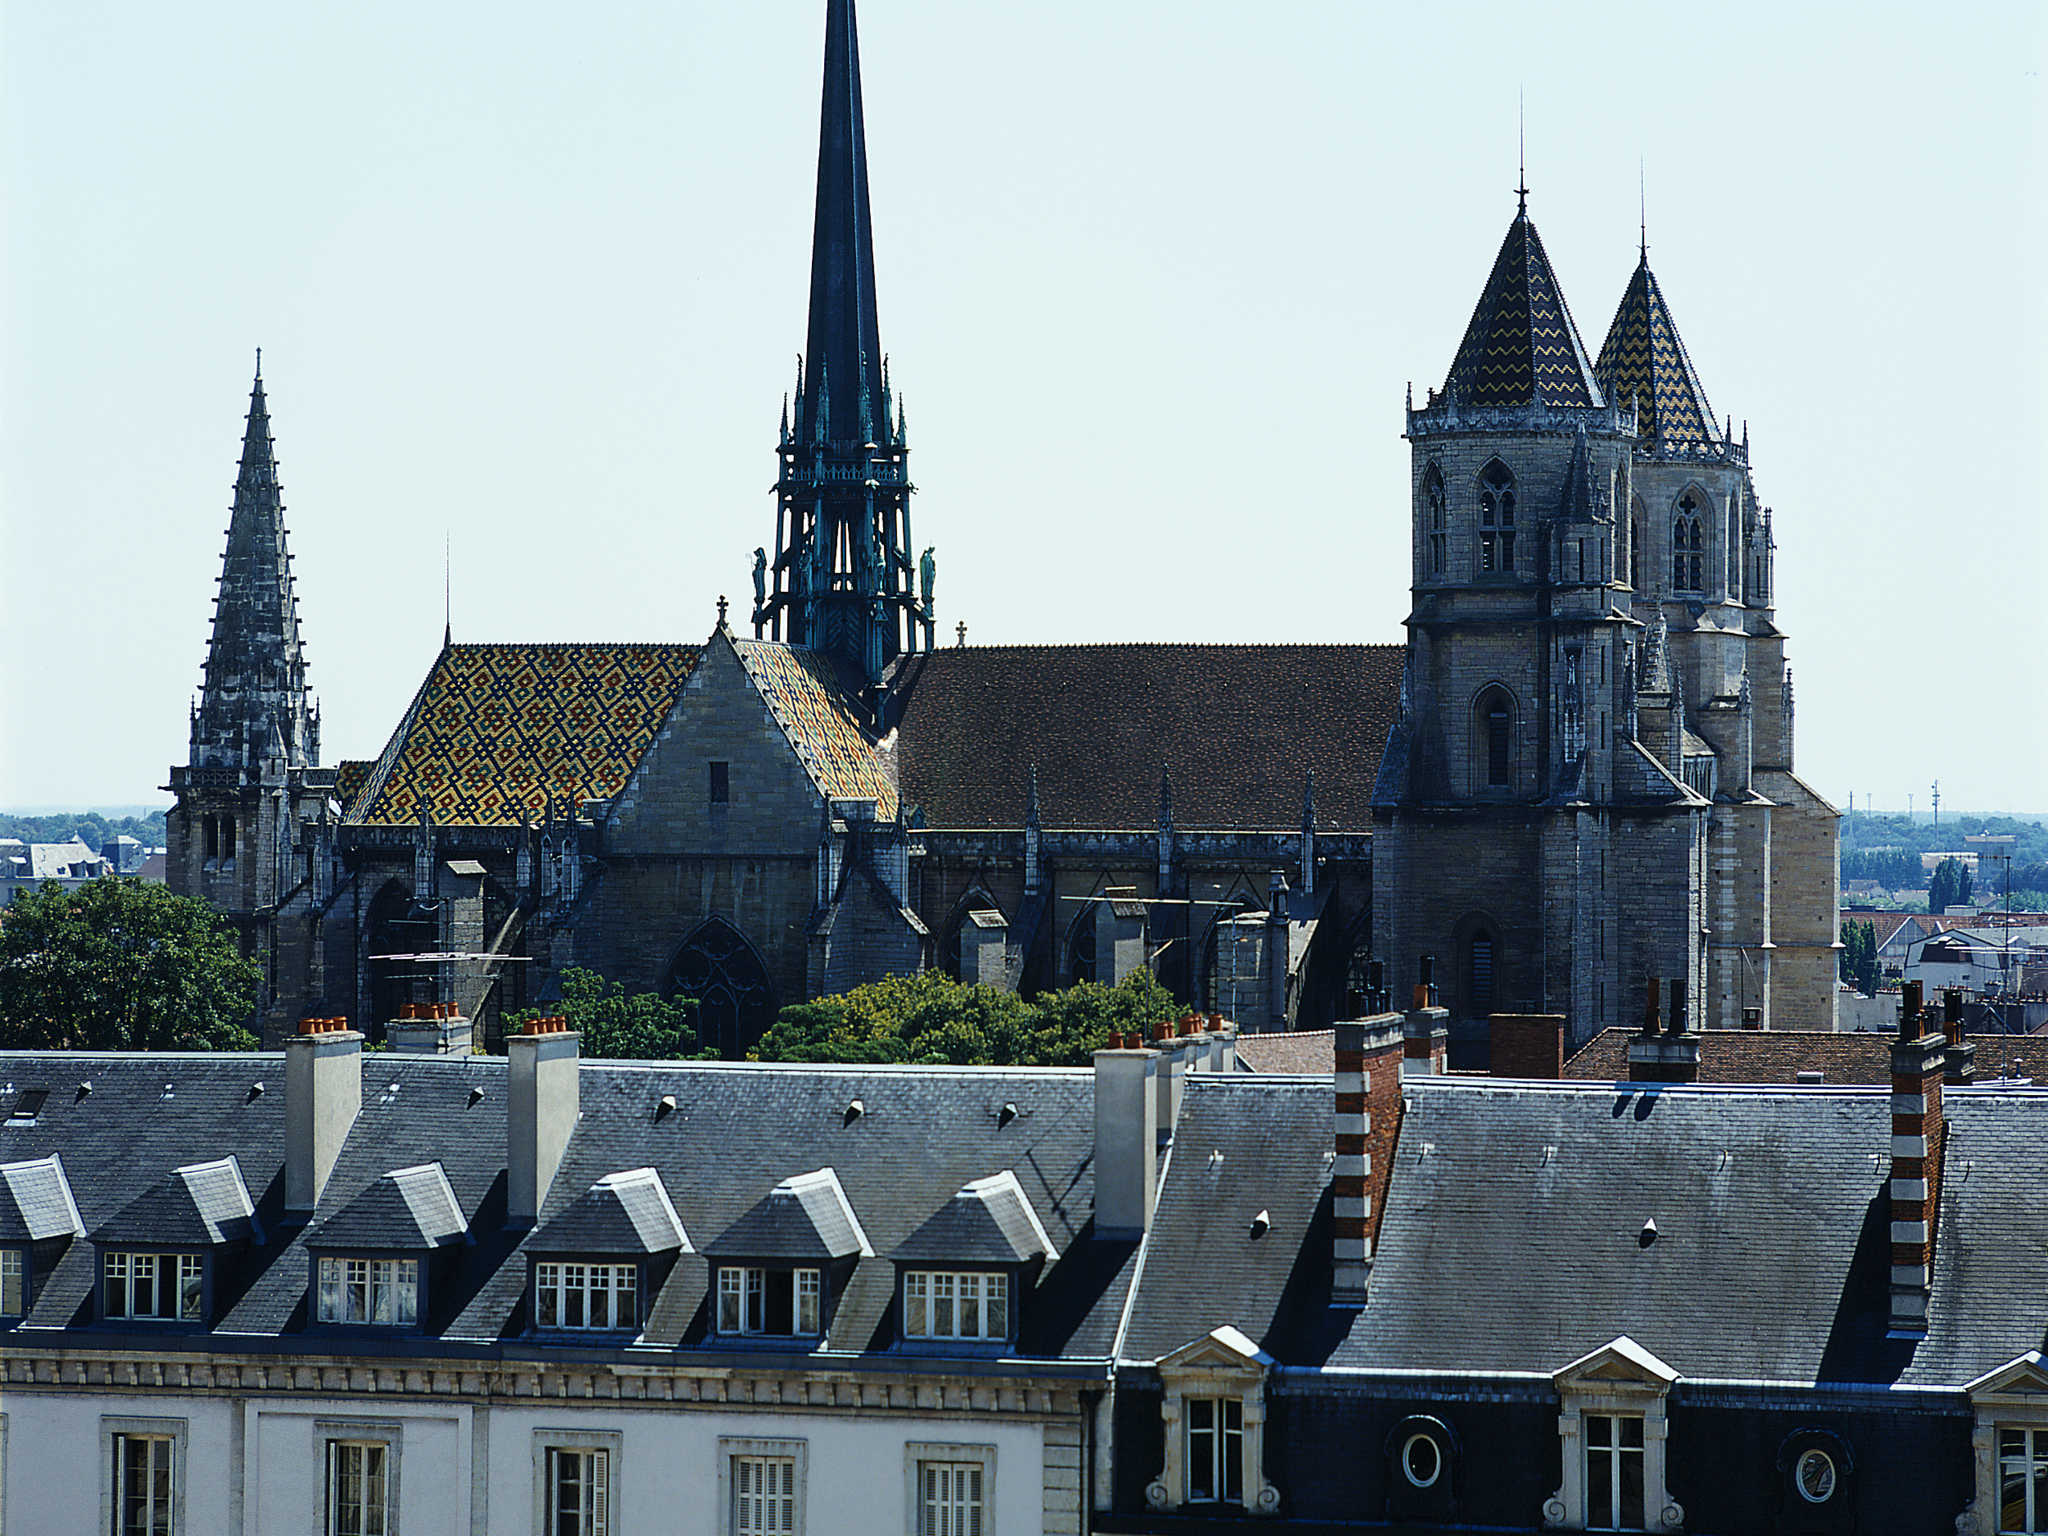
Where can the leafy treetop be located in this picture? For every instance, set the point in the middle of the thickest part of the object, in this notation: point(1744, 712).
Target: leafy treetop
point(621, 1025)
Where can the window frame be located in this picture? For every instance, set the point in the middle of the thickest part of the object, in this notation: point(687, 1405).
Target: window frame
point(752, 1304)
point(1620, 1380)
point(1611, 1444)
point(2034, 1456)
point(719, 789)
point(352, 1437)
point(345, 1282)
point(633, 1293)
point(188, 1267)
point(987, 1282)
point(117, 1429)
point(585, 1442)
point(1221, 1458)
point(918, 1454)
point(1496, 551)
point(733, 1449)
point(17, 1259)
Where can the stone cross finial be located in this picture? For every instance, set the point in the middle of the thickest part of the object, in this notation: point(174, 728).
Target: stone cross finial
point(721, 610)
point(960, 629)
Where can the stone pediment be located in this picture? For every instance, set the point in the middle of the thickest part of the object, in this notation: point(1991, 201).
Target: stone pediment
point(1220, 1349)
point(2024, 1377)
point(1623, 1362)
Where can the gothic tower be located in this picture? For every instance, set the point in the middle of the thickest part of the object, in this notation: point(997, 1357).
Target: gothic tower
point(843, 580)
point(244, 830)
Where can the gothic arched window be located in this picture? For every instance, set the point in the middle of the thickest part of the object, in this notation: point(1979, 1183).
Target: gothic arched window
point(1496, 518)
point(1433, 519)
point(1479, 972)
point(1493, 745)
point(1688, 547)
point(725, 975)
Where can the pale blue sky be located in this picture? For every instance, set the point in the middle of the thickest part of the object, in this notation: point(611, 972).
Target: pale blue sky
point(1153, 275)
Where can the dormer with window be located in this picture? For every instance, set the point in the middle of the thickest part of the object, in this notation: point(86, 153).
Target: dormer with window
point(962, 1276)
point(163, 1259)
point(777, 1272)
point(1215, 1427)
point(375, 1262)
point(38, 1222)
point(596, 1266)
point(1613, 1425)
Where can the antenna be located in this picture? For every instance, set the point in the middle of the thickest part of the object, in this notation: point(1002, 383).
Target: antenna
point(1937, 802)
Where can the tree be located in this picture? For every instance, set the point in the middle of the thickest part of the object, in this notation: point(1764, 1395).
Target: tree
point(1950, 886)
point(931, 1018)
point(1859, 956)
point(621, 1025)
point(118, 965)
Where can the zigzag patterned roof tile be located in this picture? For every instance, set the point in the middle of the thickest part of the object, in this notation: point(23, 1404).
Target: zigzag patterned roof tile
point(1644, 362)
point(1522, 347)
point(495, 730)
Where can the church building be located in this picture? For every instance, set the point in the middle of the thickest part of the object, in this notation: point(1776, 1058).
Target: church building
point(818, 794)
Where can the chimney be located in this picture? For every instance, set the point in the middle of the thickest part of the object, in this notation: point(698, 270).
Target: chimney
point(1177, 1055)
point(1672, 1057)
point(543, 1099)
point(1961, 1066)
point(1126, 1139)
point(1918, 1063)
point(1368, 1109)
point(1526, 1045)
point(323, 1089)
point(1425, 1040)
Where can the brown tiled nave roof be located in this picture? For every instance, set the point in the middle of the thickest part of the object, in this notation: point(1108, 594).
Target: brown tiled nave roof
point(1860, 1059)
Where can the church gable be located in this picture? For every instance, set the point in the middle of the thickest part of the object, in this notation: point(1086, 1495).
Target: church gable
point(806, 700)
point(496, 731)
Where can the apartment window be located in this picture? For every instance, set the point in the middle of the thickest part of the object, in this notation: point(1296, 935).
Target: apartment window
point(1614, 1472)
point(13, 1298)
point(939, 1304)
point(949, 1498)
point(143, 1490)
point(721, 783)
point(159, 1286)
point(381, 1292)
point(1215, 1429)
point(761, 1486)
point(586, 1295)
point(578, 1491)
point(783, 1302)
point(358, 1488)
point(2022, 1479)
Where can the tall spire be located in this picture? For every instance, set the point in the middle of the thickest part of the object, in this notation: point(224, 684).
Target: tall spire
point(843, 332)
point(253, 704)
point(1521, 347)
point(1643, 357)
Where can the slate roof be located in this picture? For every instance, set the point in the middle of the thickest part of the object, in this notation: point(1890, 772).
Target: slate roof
point(626, 1212)
point(202, 1204)
point(1643, 362)
point(408, 1208)
point(925, 1133)
point(1862, 1058)
point(804, 695)
point(988, 1222)
point(36, 1203)
point(496, 729)
point(1521, 347)
point(1238, 727)
point(804, 1217)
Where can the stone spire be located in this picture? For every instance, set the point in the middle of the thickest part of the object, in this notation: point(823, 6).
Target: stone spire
point(842, 580)
point(254, 709)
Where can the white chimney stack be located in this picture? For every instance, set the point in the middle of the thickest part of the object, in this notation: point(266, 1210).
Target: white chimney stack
point(1126, 1140)
point(323, 1089)
point(543, 1099)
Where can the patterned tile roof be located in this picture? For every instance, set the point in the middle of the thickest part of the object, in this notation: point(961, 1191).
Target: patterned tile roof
point(349, 778)
point(805, 696)
point(496, 729)
point(1522, 347)
point(1644, 362)
point(1239, 727)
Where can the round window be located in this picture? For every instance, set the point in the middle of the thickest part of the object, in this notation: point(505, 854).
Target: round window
point(1421, 1462)
point(1815, 1475)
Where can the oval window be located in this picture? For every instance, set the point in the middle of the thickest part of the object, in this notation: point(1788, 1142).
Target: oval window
point(1421, 1462)
point(1815, 1475)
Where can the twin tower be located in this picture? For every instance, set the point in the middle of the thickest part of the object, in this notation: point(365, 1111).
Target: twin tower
point(1590, 782)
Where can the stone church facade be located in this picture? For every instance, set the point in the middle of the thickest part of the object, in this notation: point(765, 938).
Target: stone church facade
point(762, 818)
point(1591, 782)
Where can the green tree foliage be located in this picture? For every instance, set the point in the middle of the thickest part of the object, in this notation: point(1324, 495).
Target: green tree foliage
point(1859, 956)
point(1950, 886)
point(89, 827)
point(1892, 868)
point(118, 965)
point(932, 1019)
point(621, 1025)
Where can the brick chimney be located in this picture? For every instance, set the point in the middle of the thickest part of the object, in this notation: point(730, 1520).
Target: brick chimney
point(1425, 1035)
point(323, 1090)
point(543, 1098)
point(1368, 1107)
point(1126, 1139)
point(1919, 1061)
point(1673, 1056)
point(1525, 1045)
point(1961, 1066)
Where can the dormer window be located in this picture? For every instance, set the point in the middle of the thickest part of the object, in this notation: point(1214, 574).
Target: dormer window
point(938, 1304)
point(13, 1289)
point(592, 1296)
point(154, 1287)
point(374, 1259)
point(379, 1292)
point(600, 1255)
point(784, 1303)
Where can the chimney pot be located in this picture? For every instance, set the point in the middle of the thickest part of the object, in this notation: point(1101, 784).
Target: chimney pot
point(1911, 1001)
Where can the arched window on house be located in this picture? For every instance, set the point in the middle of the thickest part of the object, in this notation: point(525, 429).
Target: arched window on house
point(1433, 520)
point(1688, 547)
point(1496, 519)
point(1493, 744)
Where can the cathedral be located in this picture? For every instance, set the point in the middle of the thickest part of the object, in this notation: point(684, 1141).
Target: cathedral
point(1575, 775)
